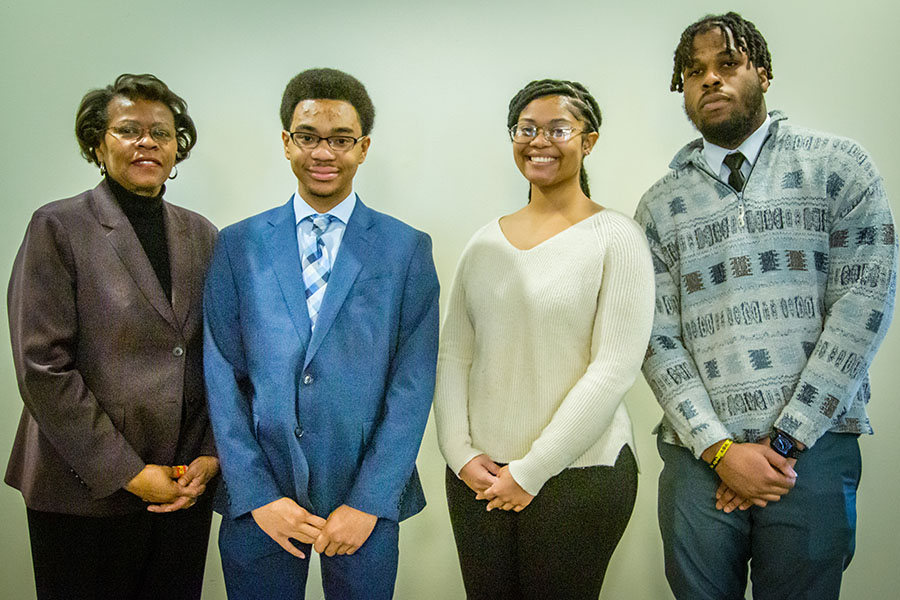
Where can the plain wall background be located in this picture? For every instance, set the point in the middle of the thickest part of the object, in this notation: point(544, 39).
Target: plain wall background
point(441, 75)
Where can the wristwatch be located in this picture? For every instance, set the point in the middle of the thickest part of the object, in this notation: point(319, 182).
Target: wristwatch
point(784, 445)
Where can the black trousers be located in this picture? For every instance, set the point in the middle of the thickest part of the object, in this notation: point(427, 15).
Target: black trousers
point(558, 547)
point(140, 556)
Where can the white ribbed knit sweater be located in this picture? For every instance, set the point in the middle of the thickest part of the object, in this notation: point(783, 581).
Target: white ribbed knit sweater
point(539, 346)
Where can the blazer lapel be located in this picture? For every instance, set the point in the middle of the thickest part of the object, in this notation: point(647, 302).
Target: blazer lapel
point(353, 252)
point(281, 243)
point(125, 242)
point(181, 263)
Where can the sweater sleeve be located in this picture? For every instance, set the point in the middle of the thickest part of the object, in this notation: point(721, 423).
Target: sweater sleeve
point(451, 398)
point(859, 304)
point(618, 341)
point(668, 365)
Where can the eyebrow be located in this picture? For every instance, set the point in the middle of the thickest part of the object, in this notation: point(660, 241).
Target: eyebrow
point(136, 122)
point(334, 131)
point(725, 53)
point(552, 121)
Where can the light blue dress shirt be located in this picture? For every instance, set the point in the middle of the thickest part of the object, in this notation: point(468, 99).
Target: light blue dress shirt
point(335, 233)
point(715, 155)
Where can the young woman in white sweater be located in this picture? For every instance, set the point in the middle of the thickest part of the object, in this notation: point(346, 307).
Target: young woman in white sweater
point(548, 322)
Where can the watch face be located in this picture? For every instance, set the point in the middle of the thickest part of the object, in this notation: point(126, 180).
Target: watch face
point(782, 445)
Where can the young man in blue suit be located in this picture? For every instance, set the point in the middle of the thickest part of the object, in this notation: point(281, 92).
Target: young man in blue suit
point(320, 350)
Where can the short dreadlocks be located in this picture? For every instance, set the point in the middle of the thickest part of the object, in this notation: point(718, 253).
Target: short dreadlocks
point(740, 35)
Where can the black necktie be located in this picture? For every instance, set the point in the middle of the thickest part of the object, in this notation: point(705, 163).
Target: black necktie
point(736, 178)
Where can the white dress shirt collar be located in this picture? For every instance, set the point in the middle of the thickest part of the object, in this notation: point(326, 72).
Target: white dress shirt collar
point(715, 155)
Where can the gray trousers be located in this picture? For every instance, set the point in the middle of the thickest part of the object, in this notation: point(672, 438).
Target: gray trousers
point(796, 548)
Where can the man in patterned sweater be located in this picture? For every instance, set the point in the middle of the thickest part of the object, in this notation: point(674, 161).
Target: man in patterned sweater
point(775, 257)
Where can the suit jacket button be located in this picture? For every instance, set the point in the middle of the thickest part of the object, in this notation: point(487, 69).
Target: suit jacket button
point(298, 431)
point(307, 379)
point(177, 350)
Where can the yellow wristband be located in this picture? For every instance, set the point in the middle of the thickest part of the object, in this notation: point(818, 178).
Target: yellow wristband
point(722, 450)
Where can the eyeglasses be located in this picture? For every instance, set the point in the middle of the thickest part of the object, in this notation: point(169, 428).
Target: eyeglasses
point(133, 133)
point(310, 141)
point(524, 134)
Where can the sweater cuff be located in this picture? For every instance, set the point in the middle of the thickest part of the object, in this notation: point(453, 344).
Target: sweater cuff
point(799, 426)
point(530, 475)
point(459, 457)
point(716, 432)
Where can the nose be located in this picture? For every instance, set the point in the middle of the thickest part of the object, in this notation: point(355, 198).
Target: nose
point(541, 139)
point(146, 140)
point(322, 150)
point(711, 79)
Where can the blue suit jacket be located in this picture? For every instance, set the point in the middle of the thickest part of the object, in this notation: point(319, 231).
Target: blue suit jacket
point(335, 416)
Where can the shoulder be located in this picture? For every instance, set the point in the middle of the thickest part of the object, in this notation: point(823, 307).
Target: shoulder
point(794, 143)
point(196, 223)
point(66, 209)
point(253, 226)
point(386, 224)
point(617, 232)
point(678, 177)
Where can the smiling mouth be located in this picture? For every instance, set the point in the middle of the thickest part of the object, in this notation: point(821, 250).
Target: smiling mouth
point(323, 175)
point(146, 161)
point(542, 159)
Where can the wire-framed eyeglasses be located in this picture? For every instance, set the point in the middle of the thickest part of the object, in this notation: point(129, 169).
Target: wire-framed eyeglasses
point(524, 134)
point(339, 143)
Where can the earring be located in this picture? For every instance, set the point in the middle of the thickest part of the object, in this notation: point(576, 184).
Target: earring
point(102, 170)
point(173, 176)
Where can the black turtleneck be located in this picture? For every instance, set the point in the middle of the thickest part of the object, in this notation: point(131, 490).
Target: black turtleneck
point(146, 217)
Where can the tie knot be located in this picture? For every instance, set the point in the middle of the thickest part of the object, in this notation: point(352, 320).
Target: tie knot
point(734, 161)
point(320, 223)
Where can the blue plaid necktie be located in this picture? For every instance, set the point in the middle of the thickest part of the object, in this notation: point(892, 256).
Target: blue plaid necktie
point(316, 263)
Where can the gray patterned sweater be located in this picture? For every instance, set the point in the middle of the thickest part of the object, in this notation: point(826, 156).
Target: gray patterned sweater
point(770, 304)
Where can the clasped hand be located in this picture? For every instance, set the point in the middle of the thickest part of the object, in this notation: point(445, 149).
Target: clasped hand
point(162, 486)
point(345, 530)
point(495, 484)
point(752, 474)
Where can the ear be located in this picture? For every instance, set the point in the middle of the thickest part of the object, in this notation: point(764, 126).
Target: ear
point(763, 79)
point(100, 152)
point(364, 149)
point(588, 141)
point(286, 139)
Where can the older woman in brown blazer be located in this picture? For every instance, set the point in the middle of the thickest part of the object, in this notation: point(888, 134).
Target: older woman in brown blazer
point(114, 450)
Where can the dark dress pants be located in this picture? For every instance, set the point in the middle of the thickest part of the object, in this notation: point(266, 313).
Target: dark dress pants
point(557, 547)
point(137, 556)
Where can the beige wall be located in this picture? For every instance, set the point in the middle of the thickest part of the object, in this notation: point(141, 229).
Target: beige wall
point(440, 78)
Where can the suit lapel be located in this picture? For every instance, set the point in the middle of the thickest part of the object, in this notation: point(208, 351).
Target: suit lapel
point(281, 243)
point(125, 242)
point(181, 262)
point(354, 250)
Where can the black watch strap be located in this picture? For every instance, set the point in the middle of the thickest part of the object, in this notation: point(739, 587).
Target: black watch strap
point(784, 445)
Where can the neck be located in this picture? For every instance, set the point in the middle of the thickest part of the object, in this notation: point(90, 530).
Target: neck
point(323, 204)
point(733, 143)
point(562, 198)
point(124, 194)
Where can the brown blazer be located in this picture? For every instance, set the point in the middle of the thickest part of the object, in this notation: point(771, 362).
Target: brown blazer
point(104, 361)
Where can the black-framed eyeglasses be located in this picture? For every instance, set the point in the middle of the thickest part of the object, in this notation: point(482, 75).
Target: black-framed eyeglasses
point(339, 143)
point(524, 134)
point(132, 133)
